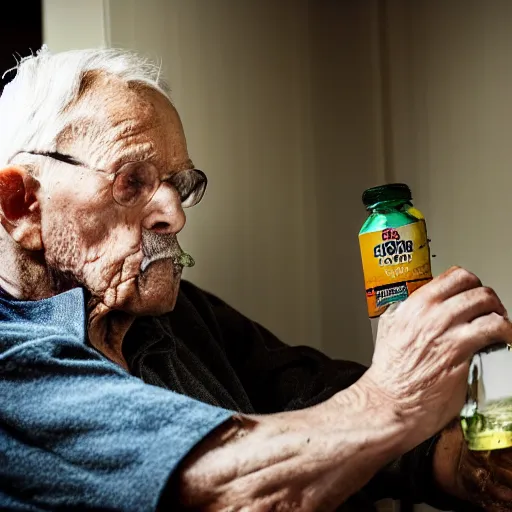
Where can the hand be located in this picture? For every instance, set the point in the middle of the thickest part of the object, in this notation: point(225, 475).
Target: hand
point(424, 347)
point(483, 478)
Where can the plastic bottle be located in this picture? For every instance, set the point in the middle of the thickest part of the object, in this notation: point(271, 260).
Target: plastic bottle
point(394, 248)
point(396, 261)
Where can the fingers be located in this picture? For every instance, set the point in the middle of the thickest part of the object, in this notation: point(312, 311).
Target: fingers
point(477, 309)
point(482, 332)
point(452, 282)
point(470, 304)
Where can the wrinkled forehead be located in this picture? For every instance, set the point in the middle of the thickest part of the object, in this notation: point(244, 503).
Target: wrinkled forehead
point(112, 122)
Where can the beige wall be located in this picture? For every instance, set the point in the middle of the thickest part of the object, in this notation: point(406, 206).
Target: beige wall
point(280, 102)
point(74, 24)
point(451, 80)
point(294, 107)
point(450, 127)
point(346, 127)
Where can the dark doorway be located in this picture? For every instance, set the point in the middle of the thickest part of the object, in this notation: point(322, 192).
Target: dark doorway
point(21, 32)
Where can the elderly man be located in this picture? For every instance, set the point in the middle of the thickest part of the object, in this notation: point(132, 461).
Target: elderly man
point(121, 391)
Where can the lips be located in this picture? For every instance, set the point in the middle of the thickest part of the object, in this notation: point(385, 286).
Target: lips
point(163, 246)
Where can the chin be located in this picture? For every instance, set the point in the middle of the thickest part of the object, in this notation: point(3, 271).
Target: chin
point(158, 289)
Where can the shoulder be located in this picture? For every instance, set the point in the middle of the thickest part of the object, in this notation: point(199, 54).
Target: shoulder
point(197, 308)
point(203, 302)
point(193, 294)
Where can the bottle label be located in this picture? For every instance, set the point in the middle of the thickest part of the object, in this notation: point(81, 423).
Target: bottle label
point(396, 262)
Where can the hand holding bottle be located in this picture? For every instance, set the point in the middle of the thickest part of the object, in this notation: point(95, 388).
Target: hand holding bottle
point(425, 345)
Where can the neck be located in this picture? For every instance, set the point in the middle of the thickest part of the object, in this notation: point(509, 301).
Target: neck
point(107, 329)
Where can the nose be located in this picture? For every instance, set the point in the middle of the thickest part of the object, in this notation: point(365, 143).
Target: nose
point(164, 213)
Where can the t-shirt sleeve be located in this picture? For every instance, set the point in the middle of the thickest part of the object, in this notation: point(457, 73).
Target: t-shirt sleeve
point(79, 433)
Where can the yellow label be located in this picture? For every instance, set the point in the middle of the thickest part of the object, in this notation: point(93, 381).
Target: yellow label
point(396, 261)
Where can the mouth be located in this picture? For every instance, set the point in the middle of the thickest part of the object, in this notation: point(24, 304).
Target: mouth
point(184, 260)
point(157, 247)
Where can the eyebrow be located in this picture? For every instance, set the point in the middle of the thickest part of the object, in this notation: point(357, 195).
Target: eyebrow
point(126, 155)
point(61, 157)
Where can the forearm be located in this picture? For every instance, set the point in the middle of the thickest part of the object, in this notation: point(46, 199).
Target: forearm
point(303, 460)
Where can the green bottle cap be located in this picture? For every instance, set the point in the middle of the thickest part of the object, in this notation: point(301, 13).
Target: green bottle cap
point(390, 192)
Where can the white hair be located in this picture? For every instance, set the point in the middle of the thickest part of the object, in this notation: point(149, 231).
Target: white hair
point(33, 106)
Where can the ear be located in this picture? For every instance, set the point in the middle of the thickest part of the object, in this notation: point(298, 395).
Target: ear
point(19, 209)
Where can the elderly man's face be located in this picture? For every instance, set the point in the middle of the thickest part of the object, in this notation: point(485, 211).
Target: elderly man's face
point(125, 254)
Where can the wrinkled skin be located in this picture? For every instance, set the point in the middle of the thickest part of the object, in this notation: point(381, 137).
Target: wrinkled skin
point(318, 457)
point(89, 239)
point(99, 241)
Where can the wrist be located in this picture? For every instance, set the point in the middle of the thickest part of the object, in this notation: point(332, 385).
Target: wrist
point(376, 417)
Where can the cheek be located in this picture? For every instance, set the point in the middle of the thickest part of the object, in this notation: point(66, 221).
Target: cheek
point(74, 221)
point(90, 240)
point(75, 202)
point(61, 244)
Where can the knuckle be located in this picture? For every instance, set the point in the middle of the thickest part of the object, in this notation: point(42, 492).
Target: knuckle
point(495, 318)
point(489, 295)
point(452, 271)
point(468, 277)
point(497, 322)
point(448, 274)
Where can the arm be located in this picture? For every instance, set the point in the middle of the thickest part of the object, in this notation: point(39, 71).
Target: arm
point(112, 442)
point(78, 431)
point(309, 460)
point(279, 377)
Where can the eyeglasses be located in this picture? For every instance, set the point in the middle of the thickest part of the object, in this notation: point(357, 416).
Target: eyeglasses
point(135, 183)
